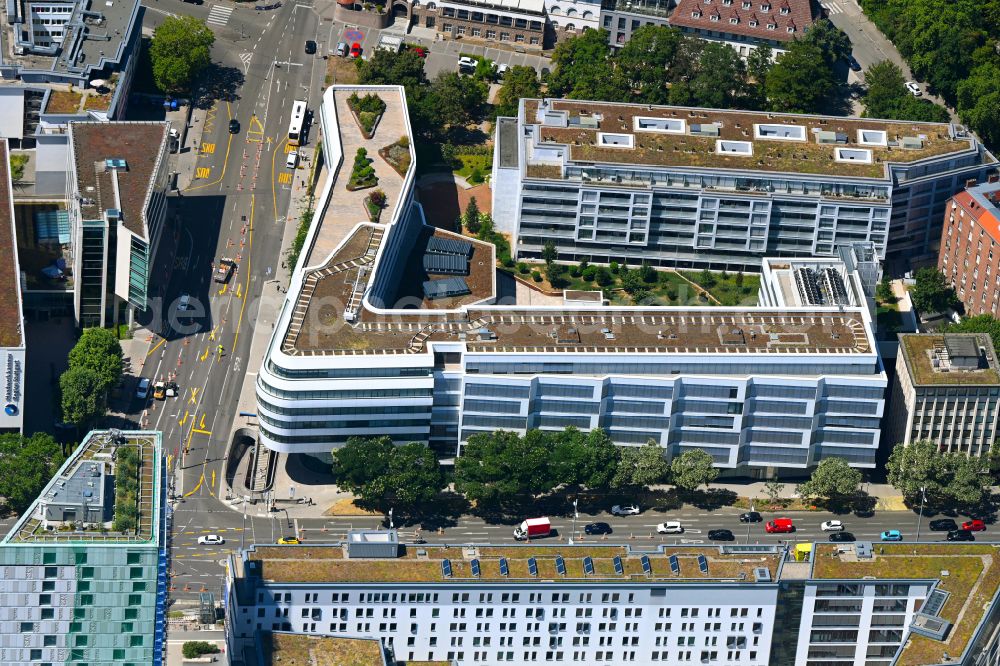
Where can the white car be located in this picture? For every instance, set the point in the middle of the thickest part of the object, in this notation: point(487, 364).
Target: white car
point(184, 302)
point(832, 526)
point(502, 69)
point(914, 88)
point(211, 540)
point(627, 510)
point(466, 65)
point(142, 390)
point(670, 527)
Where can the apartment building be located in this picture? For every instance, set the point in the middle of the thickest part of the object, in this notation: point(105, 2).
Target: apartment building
point(82, 575)
point(12, 340)
point(970, 254)
point(745, 24)
point(117, 215)
point(885, 605)
point(369, 342)
point(686, 187)
point(946, 390)
point(516, 23)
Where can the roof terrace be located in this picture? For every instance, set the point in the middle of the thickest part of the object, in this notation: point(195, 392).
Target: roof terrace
point(11, 321)
point(932, 361)
point(286, 649)
point(687, 137)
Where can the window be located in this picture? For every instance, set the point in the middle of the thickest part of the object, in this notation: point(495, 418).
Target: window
point(491, 34)
point(504, 36)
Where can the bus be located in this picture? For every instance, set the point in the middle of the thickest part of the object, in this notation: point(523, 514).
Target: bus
point(295, 127)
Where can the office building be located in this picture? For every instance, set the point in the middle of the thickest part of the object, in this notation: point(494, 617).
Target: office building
point(887, 605)
point(83, 571)
point(12, 342)
point(685, 187)
point(946, 390)
point(369, 343)
point(970, 247)
point(117, 214)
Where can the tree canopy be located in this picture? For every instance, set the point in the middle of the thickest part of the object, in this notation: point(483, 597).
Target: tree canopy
point(641, 466)
point(98, 349)
point(945, 477)
point(180, 50)
point(384, 67)
point(832, 478)
point(384, 476)
point(27, 463)
point(693, 468)
point(519, 82)
point(983, 323)
point(801, 80)
point(83, 397)
point(887, 97)
point(931, 291)
point(582, 68)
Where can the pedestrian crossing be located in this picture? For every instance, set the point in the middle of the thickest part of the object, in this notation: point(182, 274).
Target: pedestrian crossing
point(219, 15)
point(832, 8)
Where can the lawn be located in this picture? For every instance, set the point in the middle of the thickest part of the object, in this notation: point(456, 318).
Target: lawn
point(728, 288)
point(471, 163)
point(64, 101)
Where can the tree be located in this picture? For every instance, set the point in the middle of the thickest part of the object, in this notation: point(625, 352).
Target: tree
point(385, 67)
point(470, 220)
point(549, 252)
point(721, 77)
point(644, 59)
point(603, 276)
point(485, 70)
point(384, 476)
point(979, 324)
point(583, 459)
point(632, 282)
point(360, 460)
point(180, 50)
point(693, 468)
point(520, 82)
point(27, 463)
point(931, 291)
point(758, 65)
point(454, 100)
point(582, 68)
point(831, 40)
point(98, 349)
point(641, 466)
point(800, 81)
point(887, 97)
point(832, 478)
point(884, 292)
point(502, 466)
point(773, 489)
point(83, 396)
point(979, 102)
point(945, 477)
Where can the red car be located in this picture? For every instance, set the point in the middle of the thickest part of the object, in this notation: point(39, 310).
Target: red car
point(780, 526)
point(974, 526)
point(355, 50)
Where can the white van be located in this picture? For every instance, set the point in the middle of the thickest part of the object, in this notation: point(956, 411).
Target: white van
point(292, 160)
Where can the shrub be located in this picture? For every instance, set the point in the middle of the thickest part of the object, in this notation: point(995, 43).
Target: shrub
point(476, 176)
point(536, 276)
point(404, 141)
point(507, 261)
point(195, 649)
point(589, 273)
point(576, 271)
point(603, 276)
point(522, 268)
point(615, 268)
point(647, 273)
point(378, 198)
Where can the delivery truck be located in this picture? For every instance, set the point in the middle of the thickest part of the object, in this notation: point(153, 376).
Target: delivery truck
point(533, 528)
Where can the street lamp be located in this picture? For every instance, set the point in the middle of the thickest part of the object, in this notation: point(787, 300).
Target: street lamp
point(390, 519)
point(920, 517)
point(576, 515)
point(748, 524)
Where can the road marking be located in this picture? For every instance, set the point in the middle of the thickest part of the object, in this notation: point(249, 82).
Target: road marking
point(204, 356)
point(201, 424)
point(184, 420)
point(245, 58)
point(207, 148)
point(203, 172)
point(194, 395)
point(219, 15)
point(221, 292)
point(255, 133)
point(288, 147)
point(156, 346)
point(202, 432)
point(225, 161)
point(832, 7)
point(284, 178)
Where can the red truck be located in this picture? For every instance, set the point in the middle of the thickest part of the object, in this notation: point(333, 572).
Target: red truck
point(780, 526)
point(533, 528)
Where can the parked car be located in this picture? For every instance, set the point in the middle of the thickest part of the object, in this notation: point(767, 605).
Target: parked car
point(159, 391)
point(944, 525)
point(597, 528)
point(288, 541)
point(961, 535)
point(234, 126)
point(842, 537)
point(626, 510)
point(974, 525)
point(342, 49)
point(502, 70)
point(211, 540)
point(892, 535)
point(720, 535)
point(466, 65)
point(853, 64)
point(670, 527)
point(832, 526)
point(750, 517)
point(292, 160)
point(779, 526)
point(914, 88)
point(184, 302)
point(310, 47)
point(142, 389)
point(355, 50)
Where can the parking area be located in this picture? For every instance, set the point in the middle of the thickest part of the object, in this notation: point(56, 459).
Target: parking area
point(442, 55)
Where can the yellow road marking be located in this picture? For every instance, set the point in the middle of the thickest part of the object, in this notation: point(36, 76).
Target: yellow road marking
point(184, 420)
point(170, 457)
point(239, 287)
point(274, 185)
point(284, 178)
point(201, 424)
point(255, 133)
point(202, 432)
point(195, 489)
point(211, 334)
point(194, 395)
point(225, 161)
point(221, 292)
point(203, 172)
point(289, 148)
point(204, 356)
point(156, 346)
point(207, 148)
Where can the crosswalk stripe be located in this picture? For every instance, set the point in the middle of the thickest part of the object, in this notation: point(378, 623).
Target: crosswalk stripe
point(832, 7)
point(219, 15)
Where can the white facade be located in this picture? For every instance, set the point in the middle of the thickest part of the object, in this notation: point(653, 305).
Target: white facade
point(573, 15)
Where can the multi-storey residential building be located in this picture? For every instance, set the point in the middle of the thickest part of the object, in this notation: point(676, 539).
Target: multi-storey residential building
point(571, 17)
point(83, 573)
point(12, 343)
point(891, 605)
point(675, 186)
point(516, 23)
point(621, 18)
point(970, 247)
point(117, 215)
point(371, 342)
point(745, 24)
point(946, 390)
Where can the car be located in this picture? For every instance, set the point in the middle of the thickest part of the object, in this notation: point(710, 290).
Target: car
point(342, 49)
point(288, 541)
point(974, 525)
point(502, 70)
point(292, 160)
point(842, 537)
point(914, 88)
point(626, 510)
point(224, 270)
point(721, 535)
point(943, 525)
point(751, 517)
point(853, 64)
point(832, 526)
point(891, 535)
point(310, 47)
point(355, 50)
point(670, 527)
point(184, 303)
point(142, 389)
point(234, 126)
point(159, 391)
point(961, 535)
point(779, 526)
point(597, 528)
point(466, 65)
point(211, 540)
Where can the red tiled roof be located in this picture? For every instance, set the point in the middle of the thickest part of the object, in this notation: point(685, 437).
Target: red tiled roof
point(11, 334)
point(988, 219)
point(698, 15)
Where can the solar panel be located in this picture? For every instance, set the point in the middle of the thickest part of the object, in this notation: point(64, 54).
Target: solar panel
point(532, 566)
point(437, 245)
point(453, 286)
point(619, 567)
point(475, 568)
point(675, 565)
point(588, 566)
point(504, 569)
point(446, 568)
point(560, 565)
point(647, 568)
point(448, 264)
point(703, 564)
